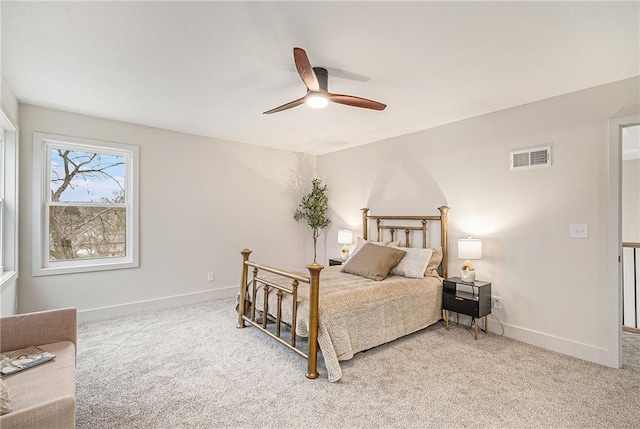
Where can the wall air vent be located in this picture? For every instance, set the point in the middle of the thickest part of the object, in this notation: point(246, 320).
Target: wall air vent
point(531, 158)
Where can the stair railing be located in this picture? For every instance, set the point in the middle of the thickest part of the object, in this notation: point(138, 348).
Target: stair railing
point(630, 261)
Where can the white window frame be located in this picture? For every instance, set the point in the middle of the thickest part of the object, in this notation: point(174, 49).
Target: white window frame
point(9, 196)
point(2, 170)
point(42, 144)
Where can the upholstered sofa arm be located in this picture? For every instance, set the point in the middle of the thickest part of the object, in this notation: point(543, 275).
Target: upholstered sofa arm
point(57, 414)
point(33, 329)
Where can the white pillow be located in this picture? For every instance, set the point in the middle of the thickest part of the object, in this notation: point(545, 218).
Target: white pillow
point(414, 263)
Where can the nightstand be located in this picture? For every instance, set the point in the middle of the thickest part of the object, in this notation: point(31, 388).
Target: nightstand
point(471, 299)
point(335, 261)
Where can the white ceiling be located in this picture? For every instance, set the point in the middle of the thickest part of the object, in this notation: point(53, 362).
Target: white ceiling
point(212, 68)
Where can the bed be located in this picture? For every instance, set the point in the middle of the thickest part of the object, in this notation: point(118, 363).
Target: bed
point(342, 313)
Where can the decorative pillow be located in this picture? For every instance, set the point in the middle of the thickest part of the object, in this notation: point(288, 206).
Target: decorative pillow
point(434, 263)
point(414, 263)
point(5, 399)
point(362, 242)
point(374, 262)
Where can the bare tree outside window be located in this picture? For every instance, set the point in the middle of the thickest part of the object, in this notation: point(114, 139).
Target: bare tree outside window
point(87, 206)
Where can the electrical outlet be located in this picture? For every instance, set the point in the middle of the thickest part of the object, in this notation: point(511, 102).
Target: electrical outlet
point(211, 277)
point(496, 302)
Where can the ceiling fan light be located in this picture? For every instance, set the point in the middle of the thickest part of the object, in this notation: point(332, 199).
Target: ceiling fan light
point(317, 101)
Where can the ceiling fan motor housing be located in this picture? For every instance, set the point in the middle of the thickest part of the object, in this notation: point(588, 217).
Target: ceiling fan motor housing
point(323, 78)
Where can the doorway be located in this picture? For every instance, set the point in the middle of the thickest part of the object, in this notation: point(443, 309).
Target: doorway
point(630, 226)
point(619, 128)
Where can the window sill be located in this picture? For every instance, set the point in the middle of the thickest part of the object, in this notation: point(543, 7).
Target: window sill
point(84, 267)
point(7, 276)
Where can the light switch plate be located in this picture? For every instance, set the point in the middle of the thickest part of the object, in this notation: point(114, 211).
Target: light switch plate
point(579, 230)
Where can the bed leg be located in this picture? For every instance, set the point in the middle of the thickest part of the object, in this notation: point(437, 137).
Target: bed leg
point(243, 287)
point(314, 289)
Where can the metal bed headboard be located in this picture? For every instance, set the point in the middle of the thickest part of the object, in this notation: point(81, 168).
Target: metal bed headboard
point(424, 220)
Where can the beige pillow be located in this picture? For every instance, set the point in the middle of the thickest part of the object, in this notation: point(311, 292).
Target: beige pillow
point(434, 263)
point(5, 399)
point(414, 264)
point(374, 262)
point(361, 242)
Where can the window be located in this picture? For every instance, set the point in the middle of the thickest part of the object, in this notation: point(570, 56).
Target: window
point(8, 200)
point(2, 170)
point(86, 216)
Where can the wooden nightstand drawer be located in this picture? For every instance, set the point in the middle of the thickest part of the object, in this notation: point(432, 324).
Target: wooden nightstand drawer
point(459, 304)
point(471, 299)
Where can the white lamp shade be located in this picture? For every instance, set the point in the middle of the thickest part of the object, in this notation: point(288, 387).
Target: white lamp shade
point(470, 248)
point(345, 236)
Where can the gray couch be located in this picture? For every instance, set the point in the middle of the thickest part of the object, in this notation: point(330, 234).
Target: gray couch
point(43, 396)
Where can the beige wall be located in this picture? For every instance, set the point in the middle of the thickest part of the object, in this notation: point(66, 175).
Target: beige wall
point(9, 101)
point(553, 287)
point(197, 194)
point(201, 201)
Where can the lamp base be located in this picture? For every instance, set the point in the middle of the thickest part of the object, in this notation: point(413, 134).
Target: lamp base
point(345, 253)
point(468, 275)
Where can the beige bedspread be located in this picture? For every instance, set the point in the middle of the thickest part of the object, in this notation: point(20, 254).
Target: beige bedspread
point(357, 313)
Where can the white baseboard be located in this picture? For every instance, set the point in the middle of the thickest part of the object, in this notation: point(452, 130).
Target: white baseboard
point(102, 313)
point(557, 344)
point(547, 341)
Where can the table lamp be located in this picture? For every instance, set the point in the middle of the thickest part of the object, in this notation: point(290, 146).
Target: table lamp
point(345, 237)
point(469, 248)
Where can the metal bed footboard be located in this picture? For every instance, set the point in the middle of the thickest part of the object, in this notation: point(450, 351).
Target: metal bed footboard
point(258, 283)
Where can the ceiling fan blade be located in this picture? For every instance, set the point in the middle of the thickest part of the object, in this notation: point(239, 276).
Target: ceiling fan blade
point(351, 100)
point(286, 106)
point(305, 70)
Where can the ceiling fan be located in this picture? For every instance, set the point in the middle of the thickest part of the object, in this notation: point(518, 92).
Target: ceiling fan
point(317, 97)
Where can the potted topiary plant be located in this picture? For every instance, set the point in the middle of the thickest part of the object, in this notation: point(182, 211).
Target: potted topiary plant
point(313, 208)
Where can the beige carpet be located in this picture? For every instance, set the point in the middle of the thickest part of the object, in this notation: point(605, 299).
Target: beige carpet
point(631, 351)
point(189, 367)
